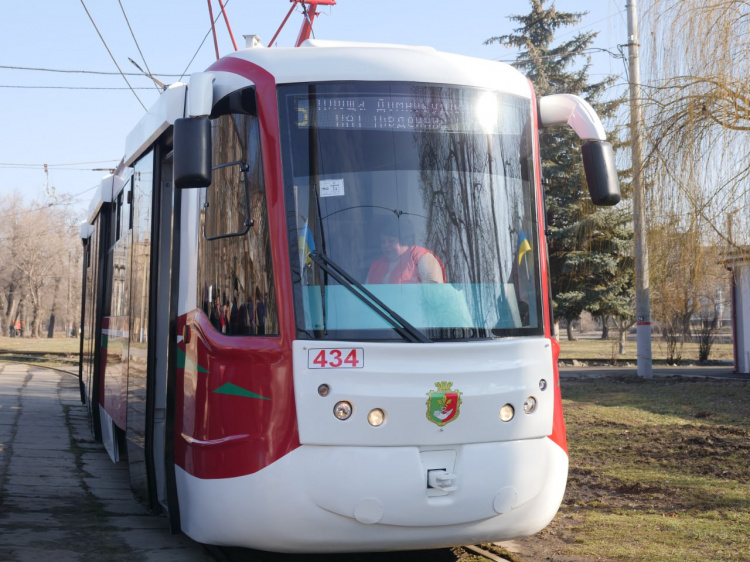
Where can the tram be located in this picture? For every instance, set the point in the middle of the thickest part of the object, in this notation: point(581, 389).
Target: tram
point(316, 304)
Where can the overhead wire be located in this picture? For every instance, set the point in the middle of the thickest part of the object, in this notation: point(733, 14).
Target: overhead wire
point(15, 86)
point(201, 45)
point(66, 201)
point(57, 165)
point(111, 55)
point(74, 71)
point(132, 34)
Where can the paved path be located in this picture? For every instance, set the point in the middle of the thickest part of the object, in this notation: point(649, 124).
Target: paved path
point(723, 371)
point(61, 497)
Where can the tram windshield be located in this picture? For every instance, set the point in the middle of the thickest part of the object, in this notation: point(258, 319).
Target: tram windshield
point(423, 197)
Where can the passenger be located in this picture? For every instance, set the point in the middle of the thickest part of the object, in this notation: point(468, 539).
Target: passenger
point(215, 314)
point(246, 316)
point(234, 317)
point(224, 319)
point(260, 312)
point(402, 260)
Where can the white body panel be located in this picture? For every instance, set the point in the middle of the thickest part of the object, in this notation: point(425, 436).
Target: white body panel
point(169, 106)
point(353, 487)
point(326, 61)
point(339, 499)
point(397, 378)
point(567, 109)
point(189, 233)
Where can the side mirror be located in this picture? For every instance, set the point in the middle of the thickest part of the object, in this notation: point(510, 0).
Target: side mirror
point(601, 174)
point(192, 152)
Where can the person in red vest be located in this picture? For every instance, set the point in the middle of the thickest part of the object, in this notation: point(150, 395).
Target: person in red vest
point(403, 261)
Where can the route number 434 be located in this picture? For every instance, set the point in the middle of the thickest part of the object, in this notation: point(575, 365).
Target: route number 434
point(336, 358)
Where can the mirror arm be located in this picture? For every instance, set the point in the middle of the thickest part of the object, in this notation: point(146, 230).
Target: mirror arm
point(243, 166)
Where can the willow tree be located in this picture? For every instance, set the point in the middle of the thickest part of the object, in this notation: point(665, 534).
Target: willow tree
point(579, 259)
point(696, 62)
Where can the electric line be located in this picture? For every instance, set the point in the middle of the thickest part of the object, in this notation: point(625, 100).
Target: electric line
point(201, 45)
point(68, 199)
point(21, 167)
point(132, 34)
point(69, 71)
point(57, 165)
point(111, 55)
point(72, 88)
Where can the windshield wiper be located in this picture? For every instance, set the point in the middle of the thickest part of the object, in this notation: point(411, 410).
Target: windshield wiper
point(402, 327)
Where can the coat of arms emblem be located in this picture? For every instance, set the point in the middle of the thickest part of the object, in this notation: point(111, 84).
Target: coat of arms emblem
point(443, 403)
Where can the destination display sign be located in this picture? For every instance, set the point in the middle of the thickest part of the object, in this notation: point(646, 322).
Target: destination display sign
point(397, 112)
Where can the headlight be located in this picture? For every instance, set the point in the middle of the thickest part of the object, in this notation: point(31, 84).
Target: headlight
point(507, 412)
point(376, 417)
point(342, 410)
point(529, 405)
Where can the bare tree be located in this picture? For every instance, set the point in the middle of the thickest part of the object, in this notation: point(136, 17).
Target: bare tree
point(35, 244)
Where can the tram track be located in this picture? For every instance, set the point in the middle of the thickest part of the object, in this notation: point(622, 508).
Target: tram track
point(472, 553)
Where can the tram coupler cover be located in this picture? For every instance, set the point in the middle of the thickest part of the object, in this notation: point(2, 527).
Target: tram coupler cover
point(442, 480)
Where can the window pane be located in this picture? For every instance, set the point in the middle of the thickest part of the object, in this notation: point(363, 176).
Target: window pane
point(424, 194)
point(235, 273)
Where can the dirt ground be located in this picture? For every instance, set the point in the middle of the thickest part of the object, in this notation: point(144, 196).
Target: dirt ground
point(704, 447)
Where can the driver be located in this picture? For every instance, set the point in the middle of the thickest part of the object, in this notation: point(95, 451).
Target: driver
point(402, 260)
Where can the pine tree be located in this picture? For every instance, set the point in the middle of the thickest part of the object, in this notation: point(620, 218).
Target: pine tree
point(578, 262)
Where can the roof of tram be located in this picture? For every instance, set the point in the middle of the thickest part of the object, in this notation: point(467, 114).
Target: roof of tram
point(326, 61)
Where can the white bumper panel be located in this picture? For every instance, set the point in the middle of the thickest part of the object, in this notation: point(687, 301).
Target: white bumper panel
point(357, 499)
point(397, 378)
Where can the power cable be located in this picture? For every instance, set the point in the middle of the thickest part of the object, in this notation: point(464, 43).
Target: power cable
point(68, 71)
point(568, 53)
point(111, 55)
point(201, 45)
point(72, 88)
point(56, 165)
point(68, 200)
point(132, 34)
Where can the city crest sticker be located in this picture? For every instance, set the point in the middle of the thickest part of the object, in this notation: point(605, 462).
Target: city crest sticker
point(443, 403)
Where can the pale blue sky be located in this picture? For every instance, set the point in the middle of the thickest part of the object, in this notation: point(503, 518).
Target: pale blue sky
point(62, 120)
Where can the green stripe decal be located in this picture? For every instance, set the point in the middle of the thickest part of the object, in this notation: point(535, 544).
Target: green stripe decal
point(235, 390)
point(188, 363)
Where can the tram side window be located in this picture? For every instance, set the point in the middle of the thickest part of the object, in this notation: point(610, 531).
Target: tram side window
point(235, 273)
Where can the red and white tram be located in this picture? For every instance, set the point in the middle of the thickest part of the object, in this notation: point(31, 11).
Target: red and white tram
point(343, 342)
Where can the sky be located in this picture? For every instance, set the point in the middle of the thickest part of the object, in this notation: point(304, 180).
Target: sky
point(76, 121)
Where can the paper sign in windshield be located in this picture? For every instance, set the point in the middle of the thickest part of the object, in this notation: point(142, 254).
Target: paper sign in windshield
point(332, 188)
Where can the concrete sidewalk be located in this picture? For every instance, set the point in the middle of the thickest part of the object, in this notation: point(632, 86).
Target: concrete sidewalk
point(61, 497)
point(722, 371)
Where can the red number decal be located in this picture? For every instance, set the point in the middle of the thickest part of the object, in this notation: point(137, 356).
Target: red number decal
point(336, 354)
point(351, 359)
point(337, 358)
point(321, 359)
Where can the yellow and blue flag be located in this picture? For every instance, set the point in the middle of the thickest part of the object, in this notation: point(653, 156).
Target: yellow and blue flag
point(523, 245)
point(306, 243)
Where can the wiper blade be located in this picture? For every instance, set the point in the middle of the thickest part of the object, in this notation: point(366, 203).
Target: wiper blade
point(402, 327)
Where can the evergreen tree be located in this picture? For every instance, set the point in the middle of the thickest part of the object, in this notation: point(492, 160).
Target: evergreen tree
point(585, 245)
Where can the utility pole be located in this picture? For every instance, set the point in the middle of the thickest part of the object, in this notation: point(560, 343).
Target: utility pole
point(642, 290)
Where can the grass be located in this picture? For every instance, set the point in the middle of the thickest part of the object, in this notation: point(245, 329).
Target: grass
point(597, 350)
point(659, 471)
point(57, 353)
point(39, 345)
